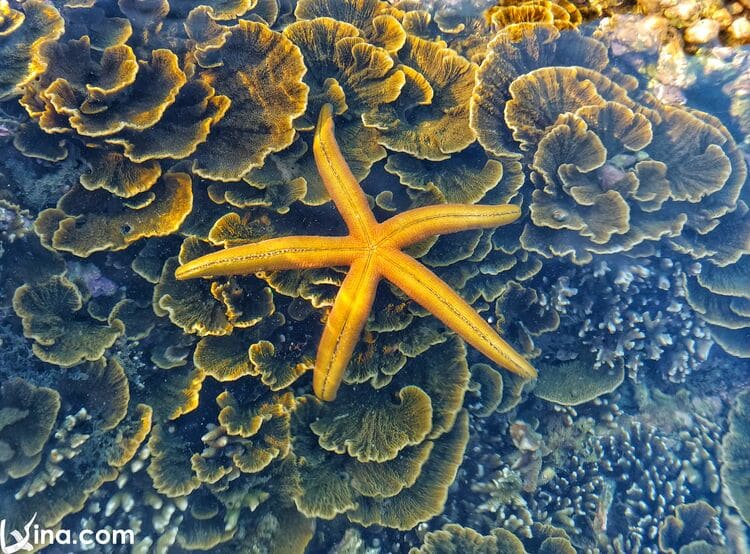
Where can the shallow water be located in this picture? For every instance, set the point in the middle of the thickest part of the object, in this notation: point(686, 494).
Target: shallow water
point(330, 394)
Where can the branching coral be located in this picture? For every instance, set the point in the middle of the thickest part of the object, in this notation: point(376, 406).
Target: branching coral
point(181, 123)
point(24, 260)
point(634, 314)
point(671, 477)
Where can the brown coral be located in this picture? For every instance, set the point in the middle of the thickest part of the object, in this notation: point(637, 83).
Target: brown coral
point(184, 125)
point(85, 222)
point(560, 13)
point(374, 18)
point(436, 93)
point(27, 416)
point(736, 447)
point(22, 32)
point(63, 333)
point(511, 56)
point(170, 464)
point(427, 495)
point(375, 431)
point(252, 433)
point(115, 173)
point(573, 383)
point(609, 175)
point(101, 98)
point(209, 308)
point(343, 68)
point(400, 476)
point(252, 54)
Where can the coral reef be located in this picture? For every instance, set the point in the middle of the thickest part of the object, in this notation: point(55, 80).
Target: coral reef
point(634, 317)
point(643, 469)
point(735, 446)
point(137, 138)
point(608, 177)
point(63, 334)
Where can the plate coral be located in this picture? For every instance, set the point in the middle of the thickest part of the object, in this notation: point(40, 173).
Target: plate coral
point(198, 201)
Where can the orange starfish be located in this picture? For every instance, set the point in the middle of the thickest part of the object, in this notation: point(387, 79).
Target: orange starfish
point(372, 251)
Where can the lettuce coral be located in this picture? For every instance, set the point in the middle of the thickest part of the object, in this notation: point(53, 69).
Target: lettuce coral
point(455, 538)
point(236, 75)
point(22, 32)
point(609, 172)
point(84, 429)
point(689, 529)
point(185, 126)
point(79, 226)
point(28, 415)
point(410, 467)
point(736, 446)
point(63, 333)
point(719, 290)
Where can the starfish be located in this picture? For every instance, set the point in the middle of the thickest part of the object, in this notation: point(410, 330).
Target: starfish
point(372, 251)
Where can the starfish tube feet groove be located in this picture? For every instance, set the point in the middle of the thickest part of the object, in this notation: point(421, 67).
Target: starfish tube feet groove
point(372, 251)
point(344, 326)
point(432, 293)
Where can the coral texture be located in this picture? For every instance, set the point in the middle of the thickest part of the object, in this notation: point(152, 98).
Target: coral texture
point(546, 171)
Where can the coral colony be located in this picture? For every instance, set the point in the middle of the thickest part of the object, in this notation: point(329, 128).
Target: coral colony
point(376, 277)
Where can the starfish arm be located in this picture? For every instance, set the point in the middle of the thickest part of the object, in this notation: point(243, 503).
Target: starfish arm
point(340, 182)
point(344, 326)
point(298, 252)
point(409, 227)
point(429, 291)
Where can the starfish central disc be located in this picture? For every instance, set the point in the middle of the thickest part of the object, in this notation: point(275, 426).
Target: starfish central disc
point(372, 251)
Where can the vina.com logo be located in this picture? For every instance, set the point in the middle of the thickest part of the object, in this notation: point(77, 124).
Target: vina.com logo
point(23, 542)
point(33, 535)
